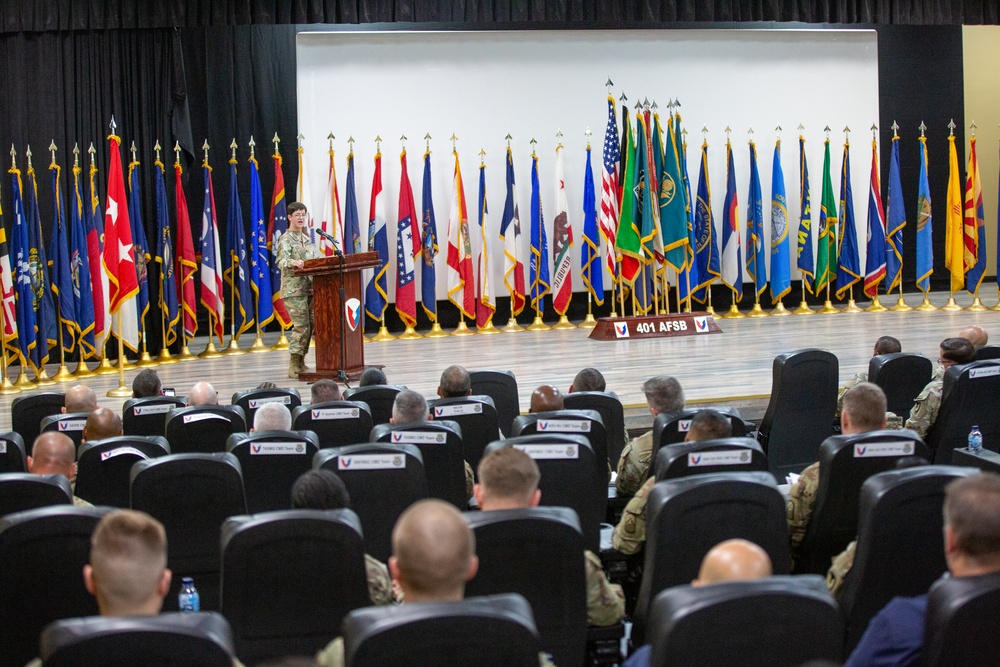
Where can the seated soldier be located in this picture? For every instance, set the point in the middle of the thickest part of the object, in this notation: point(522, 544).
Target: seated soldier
point(884, 345)
point(323, 490)
point(455, 383)
point(409, 407)
point(508, 479)
point(588, 379)
point(146, 383)
point(79, 398)
point(975, 334)
point(663, 394)
point(629, 535)
point(928, 402)
point(203, 393)
point(272, 417)
point(546, 399)
point(53, 453)
point(102, 423)
point(322, 391)
point(372, 376)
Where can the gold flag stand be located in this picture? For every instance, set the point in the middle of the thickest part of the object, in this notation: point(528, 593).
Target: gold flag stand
point(734, 312)
point(851, 306)
point(976, 306)
point(708, 302)
point(462, 329)
point(436, 330)
point(803, 308)
point(780, 310)
point(828, 307)
point(876, 306)
point(382, 335)
point(952, 305)
point(489, 329)
point(997, 307)
point(901, 305)
point(563, 323)
point(282, 343)
point(756, 311)
point(589, 322)
point(410, 333)
point(6, 387)
point(926, 306)
point(123, 390)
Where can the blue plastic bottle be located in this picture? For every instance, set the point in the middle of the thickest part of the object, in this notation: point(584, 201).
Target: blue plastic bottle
point(188, 599)
point(975, 440)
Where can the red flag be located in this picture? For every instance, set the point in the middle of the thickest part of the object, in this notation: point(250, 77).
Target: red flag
point(461, 282)
point(277, 224)
point(118, 257)
point(186, 265)
point(407, 248)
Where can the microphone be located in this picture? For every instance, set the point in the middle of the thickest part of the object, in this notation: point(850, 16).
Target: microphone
point(332, 239)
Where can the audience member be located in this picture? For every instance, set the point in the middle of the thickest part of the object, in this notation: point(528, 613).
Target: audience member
point(629, 535)
point(323, 490)
point(455, 383)
point(267, 384)
point(410, 407)
point(884, 345)
point(79, 398)
point(508, 479)
point(146, 383)
point(546, 399)
point(663, 394)
point(975, 334)
point(589, 379)
point(203, 393)
point(322, 391)
point(971, 547)
point(372, 376)
point(272, 417)
point(102, 423)
point(928, 402)
point(53, 453)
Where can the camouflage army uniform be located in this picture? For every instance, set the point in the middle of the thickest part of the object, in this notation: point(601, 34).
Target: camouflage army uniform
point(605, 601)
point(379, 583)
point(633, 468)
point(296, 291)
point(928, 402)
point(630, 533)
point(841, 566)
point(856, 380)
point(801, 500)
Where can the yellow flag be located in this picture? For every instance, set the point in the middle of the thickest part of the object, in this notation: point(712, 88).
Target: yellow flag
point(954, 248)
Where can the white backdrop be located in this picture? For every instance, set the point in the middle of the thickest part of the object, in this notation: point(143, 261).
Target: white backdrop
point(483, 85)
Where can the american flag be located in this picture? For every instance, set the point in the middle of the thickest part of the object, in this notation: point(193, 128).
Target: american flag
point(609, 187)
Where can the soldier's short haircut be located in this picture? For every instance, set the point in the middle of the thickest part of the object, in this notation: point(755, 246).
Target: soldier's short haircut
point(293, 207)
point(372, 376)
point(664, 393)
point(866, 404)
point(589, 379)
point(146, 383)
point(455, 382)
point(958, 350)
point(320, 490)
point(324, 390)
point(272, 417)
point(709, 425)
point(887, 345)
point(409, 407)
point(508, 473)
point(972, 509)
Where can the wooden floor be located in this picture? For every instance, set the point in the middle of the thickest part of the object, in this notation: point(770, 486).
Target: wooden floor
point(735, 364)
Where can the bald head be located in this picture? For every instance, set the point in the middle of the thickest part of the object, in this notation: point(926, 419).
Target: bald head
point(975, 334)
point(733, 560)
point(53, 454)
point(102, 423)
point(80, 398)
point(203, 393)
point(546, 399)
point(433, 552)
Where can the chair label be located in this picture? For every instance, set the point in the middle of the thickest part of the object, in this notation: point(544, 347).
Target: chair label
point(371, 462)
point(257, 402)
point(72, 424)
point(724, 457)
point(870, 449)
point(458, 409)
point(201, 416)
point(118, 451)
point(419, 437)
point(322, 414)
point(3, 447)
point(553, 451)
point(267, 448)
point(986, 372)
point(563, 425)
point(161, 409)
point(683, 425)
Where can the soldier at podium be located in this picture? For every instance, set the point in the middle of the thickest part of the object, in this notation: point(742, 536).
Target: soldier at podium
point(294, 248)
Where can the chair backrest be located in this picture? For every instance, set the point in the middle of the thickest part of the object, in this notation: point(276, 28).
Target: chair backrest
point(477, 416)
point(584, 422)
point(440, 443)
point(335, 423)
point(538, 553)
point(382, 480)
point(572, 476)
point(27, 412)
point(494, 631)
point(20, 491)
point(203, 428)
point(845, 462)
point(203, 638)
point(70, 424)
point(709, 456)
point(104, 467)
point(379, 399)
point(902, 376)
point(969, 398)
point(148, 415)
point(271, 461)
point(251, 399)
point(686, 517)
point(959, 609)
point(800, 413)
point(43, 552)
point(191, 495)
point(747, 623)
point(672, 427)
point(988, 352)
point(288, 579)
point(900, 548)
point(12, 454)
point(612, 414)
point(501, 386)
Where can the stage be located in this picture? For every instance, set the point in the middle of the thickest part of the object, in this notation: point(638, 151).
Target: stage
point(733, 367)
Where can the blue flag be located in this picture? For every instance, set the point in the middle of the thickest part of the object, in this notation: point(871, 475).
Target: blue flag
point(236, 269)
point(875, 255)
point(925, 223)
point(165, 258)
point(59, 266)
point(27, 328)
point(139, 244)
point(804, 249)
point(756, 254)
point(428, 246)
point(732, 261)
point(352, 227)
point(592, 271)
point(896, 220)
point(376, 293)
point(848, 262)
point(260, 270)
point(538, 272)
point(41, 291)
point(781, 280)
point(692, 272)
point(704, 232)
point(79, 263)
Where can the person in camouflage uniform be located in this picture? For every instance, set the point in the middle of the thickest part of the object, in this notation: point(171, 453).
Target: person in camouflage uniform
point(928, 402)
point(884, 345)
point(294, 247)
point(663, 394)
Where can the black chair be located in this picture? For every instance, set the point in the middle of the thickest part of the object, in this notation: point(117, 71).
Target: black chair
point(70, 424)
point(104, 467)
point(43, 552)
point(191, 495)
point(959, 611)
point(271, 461)
point(335, 423)
point(845, 462)
point(440, 444)
point(379, 399)
point(288, 579)
point(583, 422)
point(985, 460)
point(686, 517)
point(13, 458)
point(27, 412)
point(382, 480)
point(612, 414)
point(780, 621)
point(988, 352)
point(902, 376)
point(709, 456)
point(900, 548)
point(969, 398)
point(167, 639)
point(203, 428)
point(20, 491)
point(501, 386)
point(572, 476)
point(251, 399)
point(538, 553)
point(494, 631)
point(800, 413)
point(148, 415)
point(477, 416)
point(670, 428)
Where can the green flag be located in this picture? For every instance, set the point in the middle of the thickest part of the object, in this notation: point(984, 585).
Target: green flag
point(673, 206)
point(627, 241)
point(826, 251)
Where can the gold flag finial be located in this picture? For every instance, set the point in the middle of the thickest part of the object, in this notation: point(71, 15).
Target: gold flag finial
point(922, 128)
point(76, 155)
point(252, 144)
point(559, 136)
point(378, 143)
point(427, 142)
point(973, 126)
point(482, 157)
point(300, 137)
point(133, 150)
point(533, 142)
point(276, 141)
point(113, 125)
point(53, 149)
point(508, 138)
point(951, 127)
point(454, 139)
point(204, 147)
point(728, 130)
point(27, 154)
point(623, 98)
point(895, 128)
point(350, 142)
point(874, 129)
point(402, 141)
point(588, 134)
point(177, 152)
point(232, 147)
point(330, 139)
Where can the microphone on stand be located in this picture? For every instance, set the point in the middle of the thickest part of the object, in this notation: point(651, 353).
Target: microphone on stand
point(332, 239)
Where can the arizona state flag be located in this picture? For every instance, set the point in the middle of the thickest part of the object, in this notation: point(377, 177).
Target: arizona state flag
point(118, 259)
point(277, 224)
point(186, 264)
point(407, 249)
point(974, 225)
point(461, 282)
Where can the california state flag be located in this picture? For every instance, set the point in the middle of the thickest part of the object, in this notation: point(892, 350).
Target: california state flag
point(117, 259)
point(562, 241)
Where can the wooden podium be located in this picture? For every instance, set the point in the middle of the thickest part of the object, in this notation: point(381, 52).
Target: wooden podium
point(329, 313)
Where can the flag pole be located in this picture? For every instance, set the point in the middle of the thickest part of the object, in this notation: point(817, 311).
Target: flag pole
point(62, 374)
point(976, 306)
point(803, 308)
point(901, 305)
point(164, 357)
point(123, 390)
point(756, 311)
point(282, 343)
point(145, 361)
point(589, 322)
point(22, 377)
point(734, 312)
point(951, 305)
point(104, 367)
point(81, 370)
point(876, 306)
point(538, 324)
point(234, 345)
point(185, 351)
point(258, 342)
point(210, 352)
point(41, 377)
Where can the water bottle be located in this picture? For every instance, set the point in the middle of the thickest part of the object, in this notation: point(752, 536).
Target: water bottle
point(188, 599)
point(975, 440)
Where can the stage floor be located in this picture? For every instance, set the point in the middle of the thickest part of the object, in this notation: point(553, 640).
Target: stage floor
point(732, 366)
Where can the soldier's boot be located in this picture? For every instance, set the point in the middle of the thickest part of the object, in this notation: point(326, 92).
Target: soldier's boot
point(295, 364)
point(302, 364)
